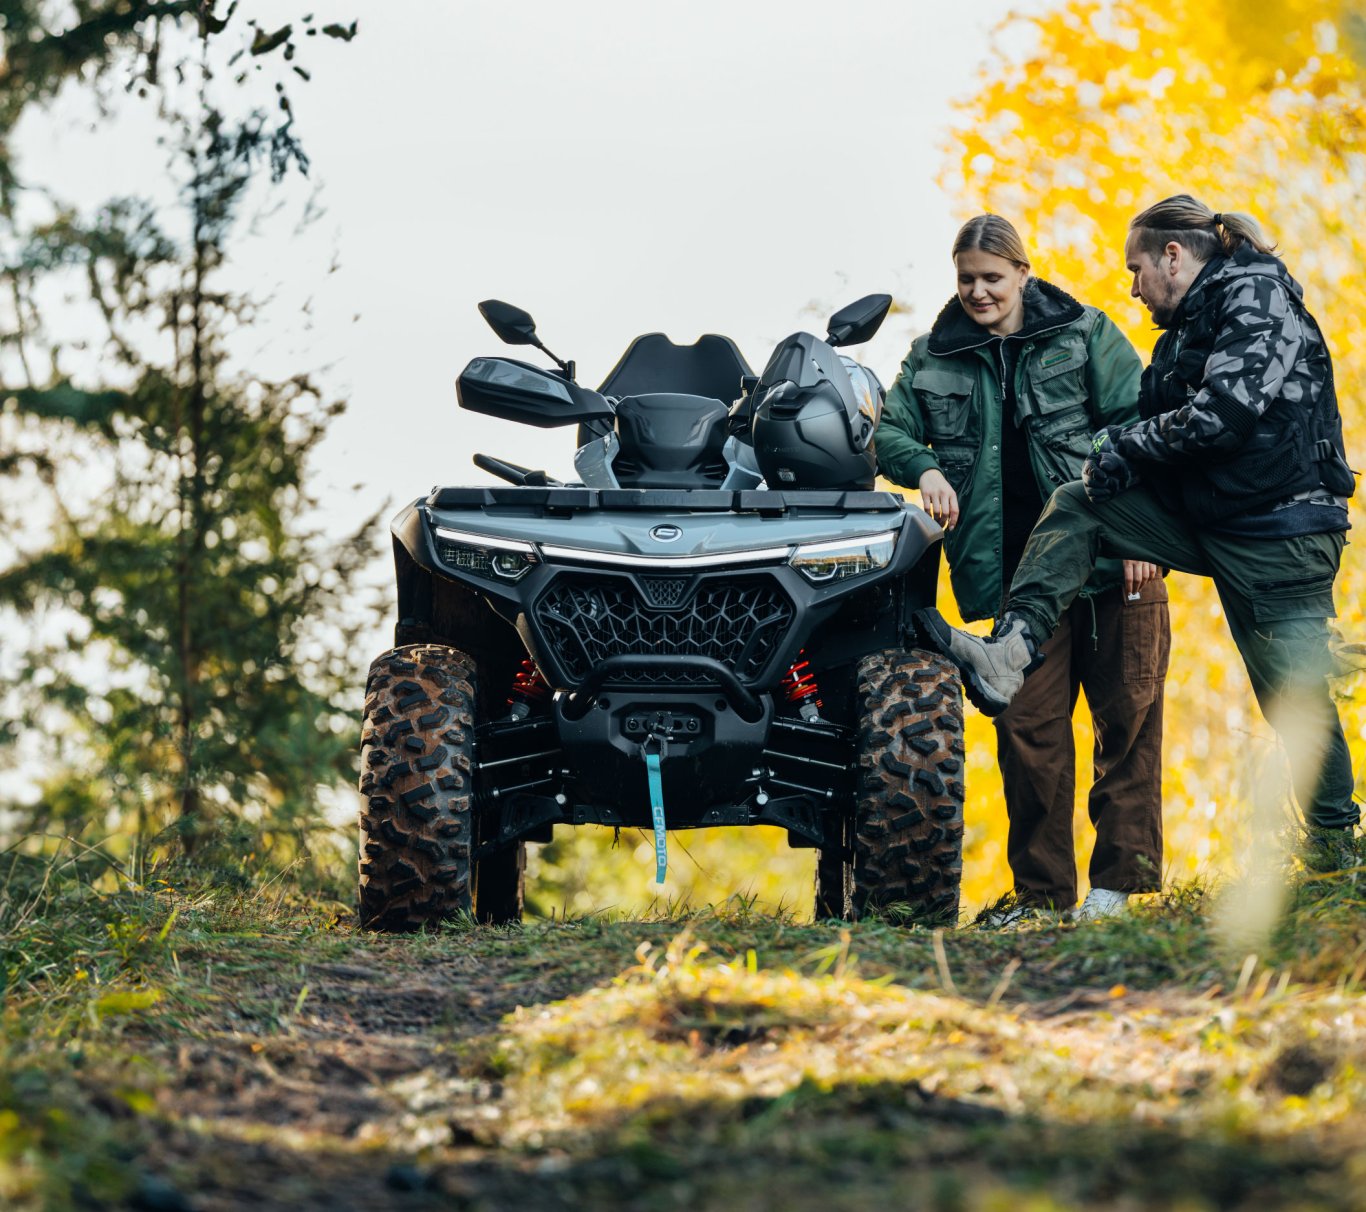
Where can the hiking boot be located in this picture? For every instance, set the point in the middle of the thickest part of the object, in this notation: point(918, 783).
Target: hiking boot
point(1329, 850)
point(993, 667)
point(1099, 903)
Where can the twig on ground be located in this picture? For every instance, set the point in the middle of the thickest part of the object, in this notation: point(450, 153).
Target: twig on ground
point(1004, 983)
point(941, 958)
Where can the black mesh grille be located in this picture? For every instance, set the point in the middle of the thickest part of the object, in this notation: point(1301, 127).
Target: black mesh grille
point(665, 591)
point(737, 622)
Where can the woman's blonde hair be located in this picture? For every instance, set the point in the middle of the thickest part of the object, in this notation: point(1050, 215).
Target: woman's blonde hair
point(992, 234)
point(1183, 220)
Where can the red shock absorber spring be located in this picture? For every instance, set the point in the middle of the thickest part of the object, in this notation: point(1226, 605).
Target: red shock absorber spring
point(528, 687)
point(799, 685)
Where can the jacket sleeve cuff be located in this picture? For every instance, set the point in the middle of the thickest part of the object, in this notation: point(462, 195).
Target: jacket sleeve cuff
point(907, 469)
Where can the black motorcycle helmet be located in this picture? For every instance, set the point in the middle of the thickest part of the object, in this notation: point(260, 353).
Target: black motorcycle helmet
point(814, 415)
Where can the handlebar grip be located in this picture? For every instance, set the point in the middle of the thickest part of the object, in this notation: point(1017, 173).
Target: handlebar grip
point(504, 471)
point(523, 477)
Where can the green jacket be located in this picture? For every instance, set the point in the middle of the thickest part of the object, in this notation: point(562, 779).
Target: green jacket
point(1075, 372)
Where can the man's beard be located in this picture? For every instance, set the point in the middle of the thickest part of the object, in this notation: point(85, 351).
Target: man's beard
point(1165, 311)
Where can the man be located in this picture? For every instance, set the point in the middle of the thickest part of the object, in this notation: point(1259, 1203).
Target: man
point(1235, 471)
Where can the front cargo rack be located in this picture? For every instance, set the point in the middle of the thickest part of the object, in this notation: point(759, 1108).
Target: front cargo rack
point(575, 500)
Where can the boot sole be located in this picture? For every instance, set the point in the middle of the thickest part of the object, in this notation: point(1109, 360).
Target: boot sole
point(937, 634)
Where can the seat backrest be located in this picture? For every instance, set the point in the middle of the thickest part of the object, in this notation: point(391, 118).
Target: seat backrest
point(710, 367)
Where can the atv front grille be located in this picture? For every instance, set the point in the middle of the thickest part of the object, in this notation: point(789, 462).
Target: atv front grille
point(665, 591)
point(738, 621)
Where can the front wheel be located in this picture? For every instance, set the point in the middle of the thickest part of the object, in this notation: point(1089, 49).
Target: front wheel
point(416, 829)
point(908, 816)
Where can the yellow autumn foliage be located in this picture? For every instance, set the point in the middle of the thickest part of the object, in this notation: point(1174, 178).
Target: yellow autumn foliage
point(1251, 106)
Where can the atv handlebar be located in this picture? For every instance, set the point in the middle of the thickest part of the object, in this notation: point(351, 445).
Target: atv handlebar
point(523, 477)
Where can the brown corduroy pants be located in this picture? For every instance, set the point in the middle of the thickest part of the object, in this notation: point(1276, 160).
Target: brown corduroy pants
point(1117, 651)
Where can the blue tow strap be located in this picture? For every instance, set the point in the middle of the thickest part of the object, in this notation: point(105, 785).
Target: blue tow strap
point(656, 779)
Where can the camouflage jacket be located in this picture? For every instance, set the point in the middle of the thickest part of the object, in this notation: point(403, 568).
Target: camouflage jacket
point(1075, 372)
point(1238, 405)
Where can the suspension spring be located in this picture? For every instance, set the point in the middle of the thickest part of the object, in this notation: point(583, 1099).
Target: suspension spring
point(799, 685)
point(528, 686)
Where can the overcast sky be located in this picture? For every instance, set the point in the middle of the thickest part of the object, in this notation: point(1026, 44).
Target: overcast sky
point(613, 166)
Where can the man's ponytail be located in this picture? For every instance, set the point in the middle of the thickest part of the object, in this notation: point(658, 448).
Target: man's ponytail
point(1183, 220)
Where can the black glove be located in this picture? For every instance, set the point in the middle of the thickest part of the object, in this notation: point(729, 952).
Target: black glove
point(1106, 473)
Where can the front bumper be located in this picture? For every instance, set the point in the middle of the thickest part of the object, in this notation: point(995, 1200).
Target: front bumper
point(598, 586)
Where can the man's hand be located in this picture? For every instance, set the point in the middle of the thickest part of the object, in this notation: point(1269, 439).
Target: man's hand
point(1138, 573)
point(938, 498)
point(1106, 473)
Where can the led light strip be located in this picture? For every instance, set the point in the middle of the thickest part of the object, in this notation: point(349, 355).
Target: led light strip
point(485, 540)
point(587, 556)
point(817, 549)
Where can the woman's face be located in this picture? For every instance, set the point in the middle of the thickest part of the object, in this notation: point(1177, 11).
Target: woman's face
point(991, 290)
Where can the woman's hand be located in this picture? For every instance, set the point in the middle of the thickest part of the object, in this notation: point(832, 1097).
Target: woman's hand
point(1138, 573)
point(938, 498)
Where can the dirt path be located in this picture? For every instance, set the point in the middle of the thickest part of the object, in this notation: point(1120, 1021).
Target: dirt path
point(312, 1085)
point(736, 1065)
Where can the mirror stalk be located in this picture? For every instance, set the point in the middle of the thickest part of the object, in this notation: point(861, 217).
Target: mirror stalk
point(566, 368)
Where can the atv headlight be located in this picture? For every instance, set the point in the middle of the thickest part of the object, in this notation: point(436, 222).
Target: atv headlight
point(484, 556)
point(824, 563)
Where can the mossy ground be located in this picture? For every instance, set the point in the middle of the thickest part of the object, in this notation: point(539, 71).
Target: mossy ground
point(186, 1047)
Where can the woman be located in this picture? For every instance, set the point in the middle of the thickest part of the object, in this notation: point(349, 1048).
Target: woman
point(994, 408)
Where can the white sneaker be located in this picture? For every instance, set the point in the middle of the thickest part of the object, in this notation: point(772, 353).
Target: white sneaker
point(1099, 903)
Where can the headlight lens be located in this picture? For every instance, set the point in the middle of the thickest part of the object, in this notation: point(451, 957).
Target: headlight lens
point(826, 563)
point(484, 556)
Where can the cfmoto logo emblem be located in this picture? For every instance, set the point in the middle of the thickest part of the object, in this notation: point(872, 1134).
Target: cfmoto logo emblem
point(666, 534)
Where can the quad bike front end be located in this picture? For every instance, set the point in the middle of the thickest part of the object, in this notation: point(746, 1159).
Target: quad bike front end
point(759, 643)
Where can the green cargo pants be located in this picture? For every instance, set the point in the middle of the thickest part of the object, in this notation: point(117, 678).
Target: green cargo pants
point(1277, 595)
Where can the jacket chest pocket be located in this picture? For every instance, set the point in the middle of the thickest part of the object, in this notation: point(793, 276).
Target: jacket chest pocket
point(1057, 388)
point(1188, 373)
point(1059, 415)
point(1182, 371)
point(1058, 399)
point(945, 398)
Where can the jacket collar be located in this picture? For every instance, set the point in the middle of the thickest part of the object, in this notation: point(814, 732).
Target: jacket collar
point(1046, 307)
point(1245, 262)
point(1194, 298)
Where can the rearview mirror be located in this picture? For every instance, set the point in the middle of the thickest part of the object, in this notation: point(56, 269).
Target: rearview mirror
point(856, 323)
point(512, 324)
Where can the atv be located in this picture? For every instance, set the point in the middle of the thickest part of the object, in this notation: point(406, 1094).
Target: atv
point(713, 626)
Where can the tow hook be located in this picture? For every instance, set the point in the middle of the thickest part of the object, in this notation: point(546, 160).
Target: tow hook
point(653, 749)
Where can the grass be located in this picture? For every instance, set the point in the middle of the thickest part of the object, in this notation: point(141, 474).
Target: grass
point(202, 1046)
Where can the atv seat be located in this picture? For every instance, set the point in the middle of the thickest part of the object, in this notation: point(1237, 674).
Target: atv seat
point(669, 440)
